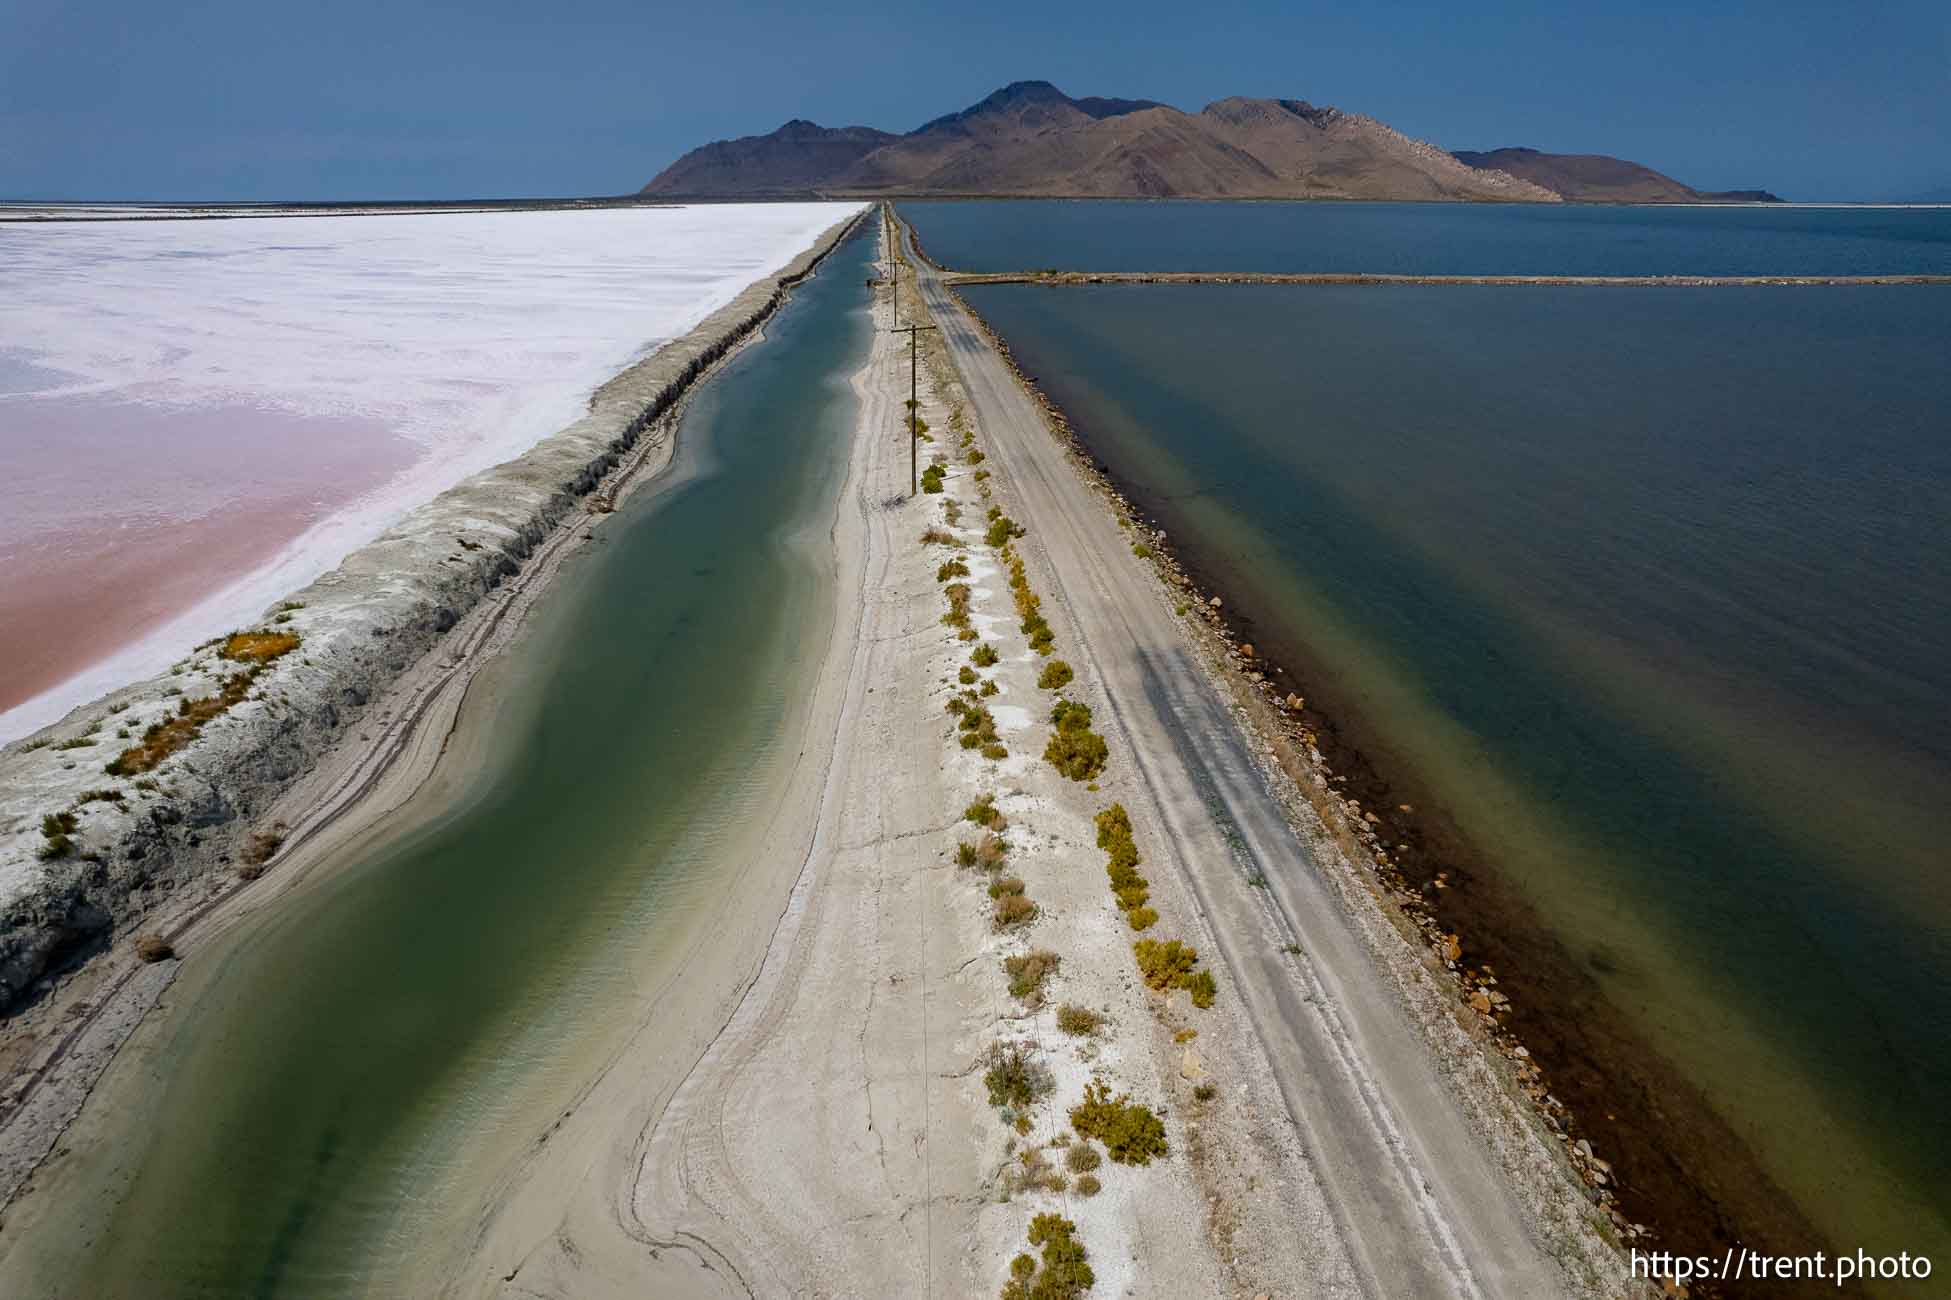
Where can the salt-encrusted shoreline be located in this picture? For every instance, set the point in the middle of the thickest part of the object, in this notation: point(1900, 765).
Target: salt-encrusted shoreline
point(362, 627)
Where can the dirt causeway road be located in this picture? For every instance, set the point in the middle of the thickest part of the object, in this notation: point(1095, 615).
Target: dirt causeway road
point(1422, 1207)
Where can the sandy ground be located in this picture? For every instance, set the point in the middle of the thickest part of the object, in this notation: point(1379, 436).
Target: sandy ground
point(835, 1138)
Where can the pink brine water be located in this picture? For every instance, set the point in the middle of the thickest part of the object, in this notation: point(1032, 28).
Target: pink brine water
point(197, 417)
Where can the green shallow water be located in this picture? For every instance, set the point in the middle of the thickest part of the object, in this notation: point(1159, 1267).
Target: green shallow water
point(349, 1062)
point(1652, 590)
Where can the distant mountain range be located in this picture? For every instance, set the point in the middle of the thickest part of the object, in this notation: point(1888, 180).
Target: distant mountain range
point(1031, 139)
point(1594, 177)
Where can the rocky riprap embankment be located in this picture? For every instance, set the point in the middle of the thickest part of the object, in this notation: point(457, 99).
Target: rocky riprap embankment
point(135, 840)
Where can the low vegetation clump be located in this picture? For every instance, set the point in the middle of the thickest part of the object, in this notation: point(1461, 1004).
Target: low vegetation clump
point(1164, 963)
point(257, 851)
point(1028, 972)
point(931, 478)
point(983, 656)
point(171, 734)
point(1078, 1022)
point(1131, 1134)
point(983, 812)
point(979, 730)
point(953, 569)
point(958, 604)
point(57, 835)
point(937, 537)
point(1074, 749)
point(1141, 550)
point(1169, 964)
point(987, 854)
point(1033, 1170)
point(1055, 675)
point(257, 647)
point(1014, 909)
point(1001, 528)
point(154, 948)
point(952, 511)
point(1028, 603)
point(1130, 888)
point(1016, 1079)
point(1087, 1185)
point(1064, 1272)
point(1082, 1158)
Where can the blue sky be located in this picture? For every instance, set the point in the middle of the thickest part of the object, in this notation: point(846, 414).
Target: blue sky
point(243, 99)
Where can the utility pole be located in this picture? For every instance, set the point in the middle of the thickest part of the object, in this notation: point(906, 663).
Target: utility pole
point(894, 282)
point(914, 406)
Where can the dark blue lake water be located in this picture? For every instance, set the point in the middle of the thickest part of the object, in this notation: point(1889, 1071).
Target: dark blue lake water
point(1432, 238)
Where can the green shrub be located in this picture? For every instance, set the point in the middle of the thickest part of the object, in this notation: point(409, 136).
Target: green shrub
point(975, 457)
point(1165, 964)
point(1087, 1185)
point(1074, 749)
point(995, 751)
point(1082, 1158)
point(1064, 1274)
point(1168, 964)
point(57, 832)
point(984, 655)
point(1013, 910)
point(937, 537)
point(1015, 1078)
point(965, 854)
point(1112, 823)
point(958, 604)
point(953, 569)
point(1055, 675)
point(967, 676)
point(988, 689)
point(1141, 550)
point(1131, 1134)
point(1078, 1022)
point(989, 854)
point(983, 812)
point(1133, 895)
point(1001, 528)
point(1141, 918)
point(1028, 972)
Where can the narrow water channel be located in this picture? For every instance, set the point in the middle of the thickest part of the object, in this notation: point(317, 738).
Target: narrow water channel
point(333, 1077)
